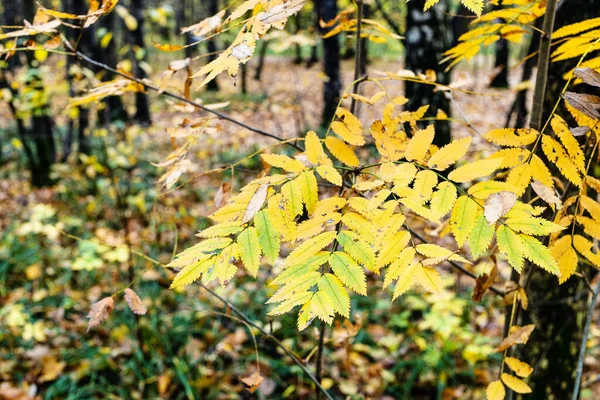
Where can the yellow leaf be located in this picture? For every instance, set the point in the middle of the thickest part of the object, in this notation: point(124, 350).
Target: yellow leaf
point(428, 278)
point(515, 384)
point(331, 286)
point(540, 172)
point(482, 190)
point(350, 129)
point(517, 335)
point(519, 367)
point(310, 192)
point(584, 247)
point(419, 144)
point(425, 181)
point(369, 185)
point(568, 140)
point(449, 154)
point(474, 170)
point(495, 391)
point(285, 226)
point(330, 174)
point(391, 249)
point(314, 150)
point(511, 157)
point(341, 151)
point(473, 5)
point(556, 154)
point(512, 137)
point(562, 250)
point(510, 246)
point(519, 178)
point(443, 199)
point(309, 248)
point(321, 306)
point(249, 249)
point(348, 271)
point(284, 162)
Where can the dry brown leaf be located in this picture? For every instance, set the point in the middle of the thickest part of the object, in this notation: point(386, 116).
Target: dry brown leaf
point(586, 103)
point(99, 312)
point(222, 194)
point(253, 381)
point(546, 193)
point(256, 203)
point(518, 335)
point(588, 75)
point(134, 302)
point(498, 204)
point(483, 283)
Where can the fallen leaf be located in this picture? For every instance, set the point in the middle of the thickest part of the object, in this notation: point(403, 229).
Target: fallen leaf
point(253, 381)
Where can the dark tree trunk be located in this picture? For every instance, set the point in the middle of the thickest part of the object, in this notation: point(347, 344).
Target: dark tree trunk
point(327, 10)
point(76, 131)
point(261, 59)
point(558, 311)
point(364, 46)
point(142, 112)
point(426, 40)
point(501, 62)
point(39, 134)
point(213, 8)
point(114, 111)
point(244, 78)
point(13, 16)
point(297, 20)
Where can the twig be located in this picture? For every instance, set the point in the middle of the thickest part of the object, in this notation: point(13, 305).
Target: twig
point(247, 320)
point(357, 57)
point(542, 66)
point(233, 308)
point(150, 86)
point(582, 347)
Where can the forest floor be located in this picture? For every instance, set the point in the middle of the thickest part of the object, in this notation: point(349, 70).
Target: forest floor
point(184, 347)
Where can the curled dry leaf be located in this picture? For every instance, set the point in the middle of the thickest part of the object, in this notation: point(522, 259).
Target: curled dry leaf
point(498, 204)
point(588, 75)
point(579, 131)
point(484, 282)
point(134, 302)
point(586, 103)
point(518, 335)
point(99, 312)
point(222, 194)
point(546, 193)
point(253, 381)
point(256, 203)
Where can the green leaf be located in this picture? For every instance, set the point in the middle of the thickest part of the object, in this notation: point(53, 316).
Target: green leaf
point(443, 199)
point(309, 248)
point(539, 254)
point(300, 284)
point(510, 246)
point(533, 226)
point(334, 289)
point(360, 251)
point(302, 268)
point(321, 306)
point(268, 238)
point(191, 273)
point(349, 272)
point(461, 220)
point(249, 250)
point(481, 236)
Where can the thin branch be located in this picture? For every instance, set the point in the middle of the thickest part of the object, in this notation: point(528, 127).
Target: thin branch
point(150, 86)
point(247, 320)
point(542, 67)
point(582, 347)
point(357, 58)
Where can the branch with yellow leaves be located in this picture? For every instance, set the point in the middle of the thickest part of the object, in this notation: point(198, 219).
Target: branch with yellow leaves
point(150, 86)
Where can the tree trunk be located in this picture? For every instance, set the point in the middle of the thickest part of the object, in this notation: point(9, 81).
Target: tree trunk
point(142, 112)
point(40, 133)
point(114, 110)
point(501, 63)
point(261, 59)
point(328, 10)
point(213, 8)
point(558, 311)
point(426, 40)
